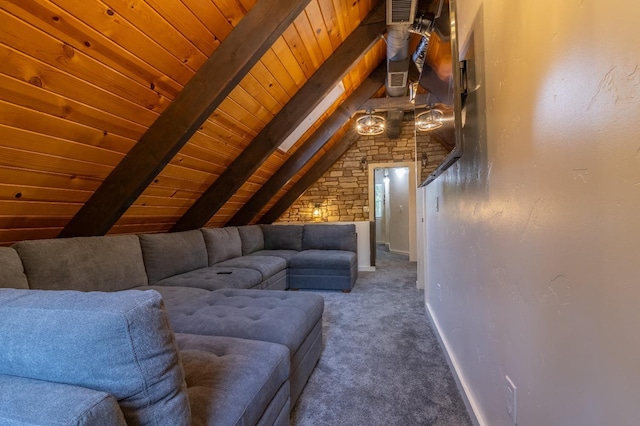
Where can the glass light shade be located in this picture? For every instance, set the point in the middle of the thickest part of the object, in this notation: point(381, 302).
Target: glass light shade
point(430, 119)
point(370, 124)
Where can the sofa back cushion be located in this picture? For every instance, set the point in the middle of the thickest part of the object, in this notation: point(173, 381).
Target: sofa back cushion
point(329, 237)
point(252, 239)
point(222, 243)
point(108, 263)
point(118, 342)
point(166, 255)
point(282, 237)
point(11, 269)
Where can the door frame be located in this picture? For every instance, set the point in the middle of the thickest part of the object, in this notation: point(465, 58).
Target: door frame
point(412, 181)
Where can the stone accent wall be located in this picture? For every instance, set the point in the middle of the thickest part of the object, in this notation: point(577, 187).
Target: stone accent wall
point(341, 194)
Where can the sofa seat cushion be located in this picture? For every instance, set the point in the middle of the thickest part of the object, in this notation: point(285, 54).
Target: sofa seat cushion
point(285, 254)
point(55, 404)
point(108, 263)
point(271, 316)
point(119, 343)
point(174, 296)
point(11, 269)
point(268, 266)
point(324, 259)
point(215, 277)
point(232, 381)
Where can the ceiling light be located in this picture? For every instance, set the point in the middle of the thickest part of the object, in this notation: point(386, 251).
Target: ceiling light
point(429, 120)
point(370, 124)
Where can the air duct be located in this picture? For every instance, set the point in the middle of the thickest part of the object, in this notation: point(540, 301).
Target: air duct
point(397, 59)
point(401, 23)
point(400, 14)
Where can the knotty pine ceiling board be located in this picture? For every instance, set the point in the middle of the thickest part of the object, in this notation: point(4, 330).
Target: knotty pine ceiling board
point(71, 93)
point(82, 81)
point(65, 117)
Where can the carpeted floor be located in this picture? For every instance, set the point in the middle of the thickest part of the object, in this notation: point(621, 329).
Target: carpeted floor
point(381, 363)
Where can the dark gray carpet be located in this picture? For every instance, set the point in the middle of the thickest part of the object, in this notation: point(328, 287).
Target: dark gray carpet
point(381, 363)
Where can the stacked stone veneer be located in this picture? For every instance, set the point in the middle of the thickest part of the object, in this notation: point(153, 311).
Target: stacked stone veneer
point(341, 194)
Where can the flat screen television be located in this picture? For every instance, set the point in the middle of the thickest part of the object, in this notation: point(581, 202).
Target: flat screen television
point(440, 95)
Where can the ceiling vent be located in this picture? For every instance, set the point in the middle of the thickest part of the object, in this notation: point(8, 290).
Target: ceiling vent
point(400, 11)
point(398, 74)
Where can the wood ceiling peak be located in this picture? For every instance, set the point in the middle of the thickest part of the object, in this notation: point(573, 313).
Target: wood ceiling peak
point(294, 164)
point(306, 99)
point(312, 175)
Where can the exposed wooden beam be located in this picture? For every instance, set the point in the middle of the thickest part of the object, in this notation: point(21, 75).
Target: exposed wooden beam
point(403, 103)
point(217, 77)
point(291, 115)
point(314, 173)
point(305, 152)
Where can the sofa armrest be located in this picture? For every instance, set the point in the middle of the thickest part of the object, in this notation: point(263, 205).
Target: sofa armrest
point(36, 402)
point(118, 343)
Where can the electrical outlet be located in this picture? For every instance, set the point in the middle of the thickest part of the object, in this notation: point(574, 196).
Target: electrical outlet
point(511, 399)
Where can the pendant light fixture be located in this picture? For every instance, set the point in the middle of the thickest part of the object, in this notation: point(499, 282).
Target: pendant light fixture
point(370, 124)
point(430, 119)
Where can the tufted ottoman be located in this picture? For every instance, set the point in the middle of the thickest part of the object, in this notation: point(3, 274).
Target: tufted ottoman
point(290, 319)
point(235, 381)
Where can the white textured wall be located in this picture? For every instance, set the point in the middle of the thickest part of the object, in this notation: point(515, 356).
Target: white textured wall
point(534, 256)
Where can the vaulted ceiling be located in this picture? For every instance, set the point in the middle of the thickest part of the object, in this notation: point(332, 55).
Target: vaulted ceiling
point(130, 116)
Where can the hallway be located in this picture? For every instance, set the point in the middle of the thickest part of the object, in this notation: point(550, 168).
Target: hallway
point(381, 364)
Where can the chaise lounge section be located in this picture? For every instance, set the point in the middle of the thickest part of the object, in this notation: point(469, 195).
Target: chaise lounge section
point(118, 362)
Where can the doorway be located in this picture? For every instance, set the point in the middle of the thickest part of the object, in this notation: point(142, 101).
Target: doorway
point(392, 190)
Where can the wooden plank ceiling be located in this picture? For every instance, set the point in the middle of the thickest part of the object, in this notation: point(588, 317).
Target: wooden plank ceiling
point(82, 81)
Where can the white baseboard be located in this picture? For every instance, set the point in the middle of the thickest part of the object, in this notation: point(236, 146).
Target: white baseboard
point(469, 401)
point(366, 268)
point(406, 253)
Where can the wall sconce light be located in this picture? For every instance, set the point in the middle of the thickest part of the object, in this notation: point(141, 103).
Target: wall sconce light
point(430, 119)
point(369, 124)
point(316, 209)
point(363, 163)
point(424, 159)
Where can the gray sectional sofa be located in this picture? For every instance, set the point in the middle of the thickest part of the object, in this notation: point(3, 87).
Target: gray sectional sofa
point(188, 305)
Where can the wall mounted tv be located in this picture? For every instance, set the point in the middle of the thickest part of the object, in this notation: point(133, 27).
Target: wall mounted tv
point(440, 92)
